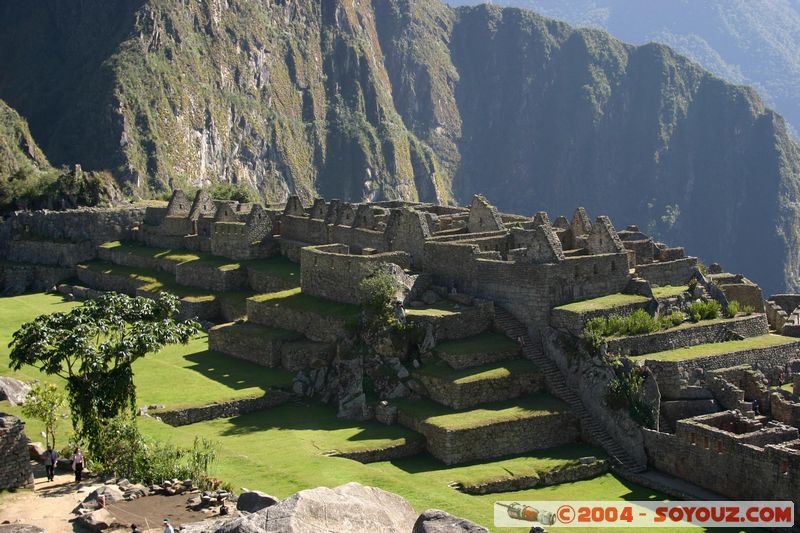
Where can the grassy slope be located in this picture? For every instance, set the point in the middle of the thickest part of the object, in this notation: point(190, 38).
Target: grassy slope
point(491, 371)
point(481, 343)
point(718, 348)
point(280, 451)
point(604, 302)
point(668, 291)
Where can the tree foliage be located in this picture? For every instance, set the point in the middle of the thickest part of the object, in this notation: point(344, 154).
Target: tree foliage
point(46, 402)
point(94, 346)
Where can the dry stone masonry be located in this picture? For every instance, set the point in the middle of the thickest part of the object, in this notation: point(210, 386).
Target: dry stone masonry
point(499, 364)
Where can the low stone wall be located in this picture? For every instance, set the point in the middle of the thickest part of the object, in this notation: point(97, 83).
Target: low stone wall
point(263, 282)
point(463, 395)
point(245, 341)
point(15, 467)
point(467, 322)
point(18, 278)
point(671, 375)
point(572, 322)
point(495, 440)
point(95, 225)
point(53, 253)
point(210, 277)
point(409, 448)
point(297, 355)
point(477, 359)
point(566, 474)
point(315, 326)
point(785, 410)
point(746, 294)
point(674, 273)
point(192, 415)
point(700, 333)
point(123, 257)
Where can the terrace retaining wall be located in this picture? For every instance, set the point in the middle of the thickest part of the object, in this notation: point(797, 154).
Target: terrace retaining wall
point(192, 415)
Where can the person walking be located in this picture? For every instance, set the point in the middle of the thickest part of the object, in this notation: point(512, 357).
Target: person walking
point(168, 527)
point(50, 457)
point(77, 464)
point(135, 529)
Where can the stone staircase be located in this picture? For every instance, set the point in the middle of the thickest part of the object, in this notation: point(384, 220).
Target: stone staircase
point(512, 327)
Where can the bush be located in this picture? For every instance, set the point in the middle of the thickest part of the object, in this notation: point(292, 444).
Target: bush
point(674, 319)
point(627, 390)
point(735, 308)
point(377, 293)
point(123, 451)
point(636, 323)
point(707, 310)
point(233, 191)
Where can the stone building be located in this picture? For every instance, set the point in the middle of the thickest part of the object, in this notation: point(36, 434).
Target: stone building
point(15, 468)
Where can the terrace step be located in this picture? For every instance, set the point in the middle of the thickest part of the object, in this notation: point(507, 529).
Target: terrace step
point(506, 322)
point(484, 348)
point(464, 388)
point(451, 320)
point(491, 430)
point(250, 342)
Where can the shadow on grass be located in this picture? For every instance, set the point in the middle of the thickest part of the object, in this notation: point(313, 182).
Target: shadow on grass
point(314, 417)
point(237, 374)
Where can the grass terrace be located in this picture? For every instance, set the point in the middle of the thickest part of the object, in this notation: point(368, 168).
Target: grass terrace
point(442, 308)
point(611, 301)
point(279, 267)
point(485, 415)
point(297, 300)
point(532, 463)
point(301, 434)
point(264, 333)
point(484, 342)
point(718, 348)
point(492, 371)
point(669, 291)
point(151, 280)
point(135, 248)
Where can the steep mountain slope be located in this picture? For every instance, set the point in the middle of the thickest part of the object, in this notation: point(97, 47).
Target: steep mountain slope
point(409, 99)
point(285, 96)
point(753, 42)
point(17, 148)
point(28, 181)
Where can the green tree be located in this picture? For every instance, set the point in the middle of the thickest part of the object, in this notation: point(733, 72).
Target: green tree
point(46, 402)
point(94, 346)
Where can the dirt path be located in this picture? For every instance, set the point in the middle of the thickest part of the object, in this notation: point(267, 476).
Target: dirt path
point(49, 505)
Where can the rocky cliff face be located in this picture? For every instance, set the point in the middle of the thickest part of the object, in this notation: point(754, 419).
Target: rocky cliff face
point(408, 99)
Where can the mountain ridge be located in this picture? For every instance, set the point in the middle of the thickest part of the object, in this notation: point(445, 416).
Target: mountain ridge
point(415, 100)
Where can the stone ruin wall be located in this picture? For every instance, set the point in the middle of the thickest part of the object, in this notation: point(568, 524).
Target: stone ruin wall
point(527, 290)
point(43, 247)
point(15, 467)
point(330, 271)
point(764, 466)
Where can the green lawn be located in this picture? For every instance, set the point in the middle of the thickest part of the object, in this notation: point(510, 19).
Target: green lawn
point(297, 300)
point(529, 464)
point(264, 333)
point(490, 371)
point(485, 342)
point(276, 266)
point(443, 308)
point(281, 451)
point(151, 280)
point(176, 256)
point(487, 414)
point(718, 348)
point(669, 291)
point(604, 302)
point(176, 376)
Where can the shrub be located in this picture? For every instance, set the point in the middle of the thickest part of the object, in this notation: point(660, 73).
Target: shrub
point(123, 451)
point(671, 320)
point(377, 293)
point(627, 390)
point(733, 308)
point(748, 309)
point(237, 192)
point(692, 285)
point(707, 310)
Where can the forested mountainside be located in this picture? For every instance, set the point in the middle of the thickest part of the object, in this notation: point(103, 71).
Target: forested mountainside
point(28, 181)
point(408, 99)
point(753, 42)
